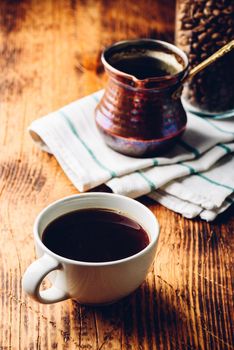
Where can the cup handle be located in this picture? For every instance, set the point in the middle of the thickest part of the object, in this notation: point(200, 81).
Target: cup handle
point(34, 276)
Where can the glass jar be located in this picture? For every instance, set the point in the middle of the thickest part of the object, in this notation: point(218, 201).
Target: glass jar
point(203, 27)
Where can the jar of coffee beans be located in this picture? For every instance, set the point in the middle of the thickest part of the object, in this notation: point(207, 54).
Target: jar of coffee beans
point(203, 27)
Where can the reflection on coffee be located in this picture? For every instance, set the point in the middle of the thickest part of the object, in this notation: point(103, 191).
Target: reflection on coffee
point(95, 235)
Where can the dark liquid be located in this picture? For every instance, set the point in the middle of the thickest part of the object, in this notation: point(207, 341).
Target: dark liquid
point(144, 67)
point(95, 235)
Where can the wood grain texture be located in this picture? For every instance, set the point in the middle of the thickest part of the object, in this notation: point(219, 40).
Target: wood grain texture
point(50, 54)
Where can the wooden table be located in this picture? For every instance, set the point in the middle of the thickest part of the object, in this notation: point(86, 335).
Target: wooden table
point(50, 53)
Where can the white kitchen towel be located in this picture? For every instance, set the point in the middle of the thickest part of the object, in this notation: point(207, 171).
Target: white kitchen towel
point(70, 134)
point(188, 209)
point(206, 190)
point(206, 194)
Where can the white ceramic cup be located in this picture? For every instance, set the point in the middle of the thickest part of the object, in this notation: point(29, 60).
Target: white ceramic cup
point(89, 282)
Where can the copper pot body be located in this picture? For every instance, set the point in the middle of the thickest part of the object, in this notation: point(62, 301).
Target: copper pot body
point(141, 117)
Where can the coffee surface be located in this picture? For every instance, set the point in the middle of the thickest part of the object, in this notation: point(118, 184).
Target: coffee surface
point(144, 67)
point(95, 235)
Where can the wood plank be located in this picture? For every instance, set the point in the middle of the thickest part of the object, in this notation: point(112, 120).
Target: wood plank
point(50, 55)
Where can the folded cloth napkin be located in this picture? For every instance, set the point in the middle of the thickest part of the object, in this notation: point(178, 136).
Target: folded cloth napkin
point(196, 177)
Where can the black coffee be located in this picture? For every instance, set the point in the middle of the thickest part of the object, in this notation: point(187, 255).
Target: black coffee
point(95, 235)
point(144, 67)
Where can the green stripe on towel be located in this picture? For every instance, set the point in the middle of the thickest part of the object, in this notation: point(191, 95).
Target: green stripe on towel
point(149, 182)
point(97, 99)
point(189, 147)
point(226, 148)
point(73, 129)
point(215, 182)
point(193, 171)
point(155, 162)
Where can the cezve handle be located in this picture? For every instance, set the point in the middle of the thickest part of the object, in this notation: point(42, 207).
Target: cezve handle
point(218, 54)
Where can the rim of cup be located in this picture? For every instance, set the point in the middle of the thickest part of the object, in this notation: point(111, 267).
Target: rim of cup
point(153, 236)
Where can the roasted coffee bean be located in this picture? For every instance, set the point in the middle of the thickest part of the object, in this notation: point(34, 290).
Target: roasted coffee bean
point(203, 56)
point(188, 25)
point(202, 37)
point(202, 27)
point(215, 36)
point(207, 11)
point(221, 43)
point(216, 12)
point(228, 11)
point(195, 46)
point(198, 15)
